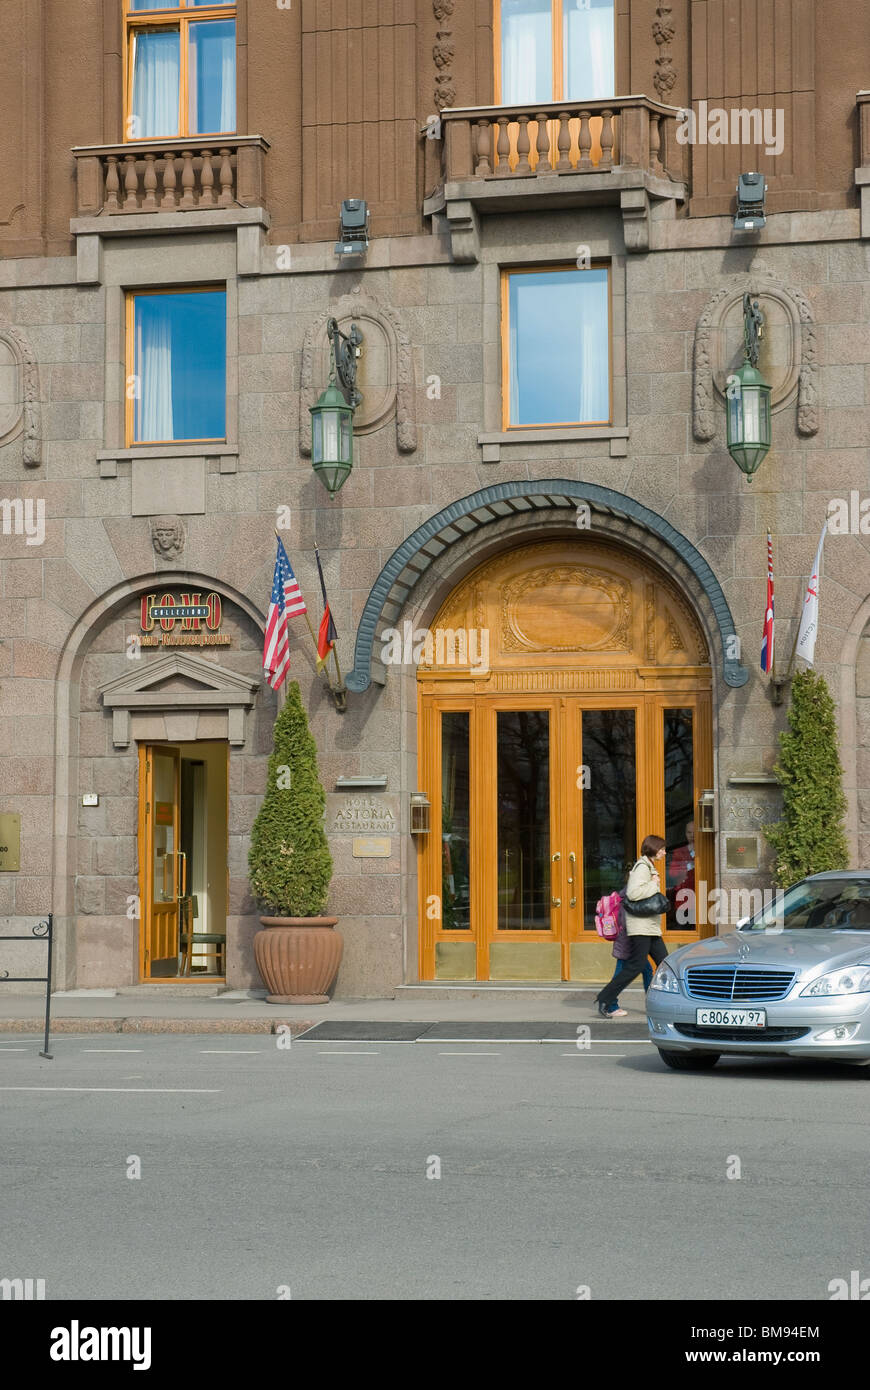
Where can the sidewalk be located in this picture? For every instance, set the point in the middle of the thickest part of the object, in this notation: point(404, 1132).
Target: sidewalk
point(148, 1009)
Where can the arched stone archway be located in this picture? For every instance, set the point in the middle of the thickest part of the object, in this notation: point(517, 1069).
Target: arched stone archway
point(91, 658)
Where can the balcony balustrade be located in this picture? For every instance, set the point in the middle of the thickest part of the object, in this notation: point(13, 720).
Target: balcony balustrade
point(558, 154)
point(170, 175)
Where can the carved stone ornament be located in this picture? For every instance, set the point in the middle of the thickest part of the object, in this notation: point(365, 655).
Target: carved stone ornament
point(167, 537)
point(443, 52)
point(385, 371)
point(600, 604)
point(20, 407)
point(663, 30)
point(789, 350)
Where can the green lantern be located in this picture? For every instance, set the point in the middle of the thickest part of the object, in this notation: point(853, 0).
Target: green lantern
point(332, 438)
point(748, 397)
point(748, 418)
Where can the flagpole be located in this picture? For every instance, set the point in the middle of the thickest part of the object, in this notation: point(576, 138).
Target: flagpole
point(307, 619)
point(779, 681)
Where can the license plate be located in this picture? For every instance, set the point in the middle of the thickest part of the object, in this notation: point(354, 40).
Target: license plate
point(731, 1018)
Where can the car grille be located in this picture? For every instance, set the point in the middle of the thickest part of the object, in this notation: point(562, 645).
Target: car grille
point(747, 1035)
point(737, 982)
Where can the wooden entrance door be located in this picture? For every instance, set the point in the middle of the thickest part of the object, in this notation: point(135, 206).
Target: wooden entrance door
point(163, 872)
point(542, 795)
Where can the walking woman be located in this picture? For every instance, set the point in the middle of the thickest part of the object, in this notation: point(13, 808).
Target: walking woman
point(644, 931)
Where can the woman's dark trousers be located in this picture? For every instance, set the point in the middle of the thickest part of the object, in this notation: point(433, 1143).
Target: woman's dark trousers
point(641, 947)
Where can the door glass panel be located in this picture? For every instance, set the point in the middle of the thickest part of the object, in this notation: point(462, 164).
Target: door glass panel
point(609, 804)
point(455, 823)
point(526, 51)
point(523, 797)
point(589, 50)
point(679, 816)
point(163, 864)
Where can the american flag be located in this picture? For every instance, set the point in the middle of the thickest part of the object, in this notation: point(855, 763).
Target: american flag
point(767, 639)
point(286, 602)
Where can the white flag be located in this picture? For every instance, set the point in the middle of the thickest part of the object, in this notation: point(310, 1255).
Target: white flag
point(806, 643)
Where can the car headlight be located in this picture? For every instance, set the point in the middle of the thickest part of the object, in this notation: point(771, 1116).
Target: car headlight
point(854, 980)
point(665, 979)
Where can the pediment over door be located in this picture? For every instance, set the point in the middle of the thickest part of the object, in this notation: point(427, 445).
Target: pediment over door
point(180, 688)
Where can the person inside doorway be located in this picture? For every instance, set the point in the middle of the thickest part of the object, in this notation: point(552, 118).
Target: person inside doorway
point(644, 931)
point(681, 882)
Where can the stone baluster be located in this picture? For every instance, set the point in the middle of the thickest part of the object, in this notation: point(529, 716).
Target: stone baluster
point(655, 143)
point(523, 146)
point(606, 140)
point(564, 141)
point(149, 202)
point(542, 145)
point(188, 179)
point(503, 148)
point(482, 165)
point(206, 181)
point(112, 184)
point(226, 177)
point(585, 142)
point(131, 184)
point(169, 201)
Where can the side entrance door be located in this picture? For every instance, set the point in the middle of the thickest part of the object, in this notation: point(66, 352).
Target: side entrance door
point(163, 862)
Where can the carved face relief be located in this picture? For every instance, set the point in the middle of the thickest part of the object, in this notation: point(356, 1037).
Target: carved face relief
point(167, 537)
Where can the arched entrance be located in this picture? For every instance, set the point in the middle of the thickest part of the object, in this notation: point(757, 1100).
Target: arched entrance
point(564, 714)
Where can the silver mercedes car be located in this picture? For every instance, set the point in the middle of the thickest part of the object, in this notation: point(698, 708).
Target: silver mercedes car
point(792, 981)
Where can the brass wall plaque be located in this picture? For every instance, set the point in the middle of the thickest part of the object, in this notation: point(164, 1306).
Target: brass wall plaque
point(741, 851)
point(10, 842)
point(371, 847)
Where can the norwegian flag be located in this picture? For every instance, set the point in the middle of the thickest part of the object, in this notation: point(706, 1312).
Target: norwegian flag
point(767, 639)
point(286, 602)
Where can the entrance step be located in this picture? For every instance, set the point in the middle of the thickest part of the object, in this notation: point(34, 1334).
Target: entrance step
point(175, 989)
point(495, 989)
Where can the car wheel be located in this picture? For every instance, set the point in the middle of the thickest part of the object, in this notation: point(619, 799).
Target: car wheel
point(688, 1061)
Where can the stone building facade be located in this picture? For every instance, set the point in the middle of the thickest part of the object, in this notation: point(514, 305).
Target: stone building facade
point(398, 102)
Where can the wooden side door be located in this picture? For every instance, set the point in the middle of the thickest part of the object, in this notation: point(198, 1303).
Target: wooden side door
point(161, 873)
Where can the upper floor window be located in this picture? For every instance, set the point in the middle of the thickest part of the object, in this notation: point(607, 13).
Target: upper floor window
point(554, 50)
point(176, 365)
point(181, 68)
point(556, 347)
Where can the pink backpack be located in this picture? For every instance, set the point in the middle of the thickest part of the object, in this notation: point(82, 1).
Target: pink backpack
point(609, 916)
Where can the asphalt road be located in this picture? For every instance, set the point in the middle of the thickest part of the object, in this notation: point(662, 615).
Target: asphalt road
point(304, 1169)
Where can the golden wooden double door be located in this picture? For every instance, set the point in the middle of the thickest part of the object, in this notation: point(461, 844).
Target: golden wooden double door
point(584, 727)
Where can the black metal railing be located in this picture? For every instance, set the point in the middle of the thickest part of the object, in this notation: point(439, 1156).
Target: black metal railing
point(43, 931)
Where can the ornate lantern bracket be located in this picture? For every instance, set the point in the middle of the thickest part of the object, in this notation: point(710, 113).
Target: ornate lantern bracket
point(345, 351)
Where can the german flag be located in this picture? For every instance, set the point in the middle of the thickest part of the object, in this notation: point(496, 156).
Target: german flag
point(327, 635)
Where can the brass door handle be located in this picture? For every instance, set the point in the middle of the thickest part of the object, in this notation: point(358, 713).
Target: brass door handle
point(557, 902)
point(572, 860)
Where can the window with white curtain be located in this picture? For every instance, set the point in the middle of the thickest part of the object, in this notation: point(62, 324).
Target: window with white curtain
point(177, 362)
point(181, 68)
point(556, 347)
point(555, 50)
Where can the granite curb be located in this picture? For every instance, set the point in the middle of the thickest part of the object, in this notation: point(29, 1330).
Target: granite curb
point(155, 1025)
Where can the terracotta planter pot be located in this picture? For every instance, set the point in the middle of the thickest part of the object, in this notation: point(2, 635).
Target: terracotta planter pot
point(298, 958)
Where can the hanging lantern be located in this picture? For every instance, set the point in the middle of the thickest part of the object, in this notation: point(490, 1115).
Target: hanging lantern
point(332, 438)
point(748, 420)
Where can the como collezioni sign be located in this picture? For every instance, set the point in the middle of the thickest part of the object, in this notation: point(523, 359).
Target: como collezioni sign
point(183, 620)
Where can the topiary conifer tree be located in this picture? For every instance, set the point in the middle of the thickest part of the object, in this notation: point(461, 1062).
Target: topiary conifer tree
point(290, 866)
point(810, 837)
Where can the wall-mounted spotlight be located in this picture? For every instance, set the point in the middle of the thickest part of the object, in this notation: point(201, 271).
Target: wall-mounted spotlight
point(354, 228)
point(751, 189)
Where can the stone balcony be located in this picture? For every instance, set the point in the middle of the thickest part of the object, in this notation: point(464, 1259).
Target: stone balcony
point(622, 151)
point(170, 186)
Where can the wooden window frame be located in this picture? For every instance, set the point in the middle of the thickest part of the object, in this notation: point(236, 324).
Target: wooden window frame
point(557, 15)
point(130, 363)
point(506, 273)
point(178, 16)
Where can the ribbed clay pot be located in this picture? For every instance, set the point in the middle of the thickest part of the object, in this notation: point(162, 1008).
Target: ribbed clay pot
point(298, 958)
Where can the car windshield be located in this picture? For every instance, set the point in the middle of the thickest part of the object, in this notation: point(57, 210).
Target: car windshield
point(831, 904)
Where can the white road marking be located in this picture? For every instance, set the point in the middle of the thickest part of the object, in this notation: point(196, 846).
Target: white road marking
point(155, 1090)
point(339, 1052)
point(111, 1049)
point(14, 1049)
